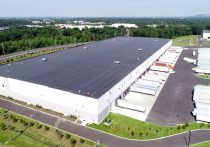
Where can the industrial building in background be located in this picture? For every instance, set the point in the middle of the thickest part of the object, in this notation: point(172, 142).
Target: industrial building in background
point(206, 34)
point(86, 81)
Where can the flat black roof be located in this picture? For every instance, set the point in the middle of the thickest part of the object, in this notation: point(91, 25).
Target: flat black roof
point(86, 69)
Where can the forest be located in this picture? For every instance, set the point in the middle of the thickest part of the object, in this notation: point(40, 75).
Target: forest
point(20, 38)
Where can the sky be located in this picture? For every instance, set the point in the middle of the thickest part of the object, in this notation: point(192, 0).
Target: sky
point(103, 8)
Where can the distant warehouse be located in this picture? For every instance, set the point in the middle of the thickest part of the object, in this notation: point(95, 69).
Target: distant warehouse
point(206, 34)
point(84, 81)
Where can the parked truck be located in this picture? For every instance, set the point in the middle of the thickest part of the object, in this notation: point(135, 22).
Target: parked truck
point(126, 104)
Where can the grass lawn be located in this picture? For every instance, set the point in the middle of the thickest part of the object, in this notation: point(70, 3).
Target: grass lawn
point(131, 128)
point(206, 43)
point(204, 76)
point(206, 144)
point(190, 40)
point(21, 133)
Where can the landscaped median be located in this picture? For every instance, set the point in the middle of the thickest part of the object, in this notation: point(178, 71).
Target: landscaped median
point(19, 131)
point(204, 76)
point(205, 144)
point(127, 127)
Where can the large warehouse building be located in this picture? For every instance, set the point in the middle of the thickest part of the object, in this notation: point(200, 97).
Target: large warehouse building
point(83, 81)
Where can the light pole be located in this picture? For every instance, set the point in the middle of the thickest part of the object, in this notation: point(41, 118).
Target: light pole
point(189, 138)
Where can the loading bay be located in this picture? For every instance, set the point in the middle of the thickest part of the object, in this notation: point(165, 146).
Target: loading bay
point(174, 103)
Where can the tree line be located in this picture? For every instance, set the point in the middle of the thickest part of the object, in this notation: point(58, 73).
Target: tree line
point(20, 38)
point(23, 38)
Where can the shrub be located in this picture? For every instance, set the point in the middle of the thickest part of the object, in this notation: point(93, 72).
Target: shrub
point(5, 116)
point(132, 133)
point(25, 123)
point(156, 131)
point(140, 134)
point(3, 126)
point(21, 120)
point(146, 133)
point(59, 133)
point(10, 98)
point(46, 128)
point(12, 128)
point(15, 119)
point(31, 124)
point(183, 127)
point(73, 116)
point(178, 127)
point(201, 124)
point(67, 136)
point(39, 126)
point(129, 128)
point(38, 106)
point(11, 116)
point(81, 140)
point(186, 125)
point(73, 141)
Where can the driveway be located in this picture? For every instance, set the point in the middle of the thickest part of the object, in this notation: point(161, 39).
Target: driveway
point(174, 103)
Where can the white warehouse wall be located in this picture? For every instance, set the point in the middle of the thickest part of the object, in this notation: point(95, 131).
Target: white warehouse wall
point(54, 99)
point(110, 96)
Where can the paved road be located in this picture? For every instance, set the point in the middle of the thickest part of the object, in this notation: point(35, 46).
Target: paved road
point(104, 138)
point(8, 56)
point(174, 103)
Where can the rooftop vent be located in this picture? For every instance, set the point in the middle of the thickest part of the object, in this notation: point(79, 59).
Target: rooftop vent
point(85, 47)
point(155, 40)
point(116, 62)
point(138, 58)
point(139, 49)
point(44, 59)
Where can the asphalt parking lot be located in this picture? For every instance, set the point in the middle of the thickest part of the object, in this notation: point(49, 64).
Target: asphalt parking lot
point(174, 103)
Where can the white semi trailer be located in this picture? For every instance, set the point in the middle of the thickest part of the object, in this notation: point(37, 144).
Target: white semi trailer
point(157, 76)
point(126, 104)
point(166, 61)
point(189, 60)
point(148, 82)
point(137, 88)
point(159, 68)
point(151, 79)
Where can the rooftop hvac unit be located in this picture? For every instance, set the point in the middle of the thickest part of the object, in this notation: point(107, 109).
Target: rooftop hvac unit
point(139, 49)
point(116, 62)
point(44, 59)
